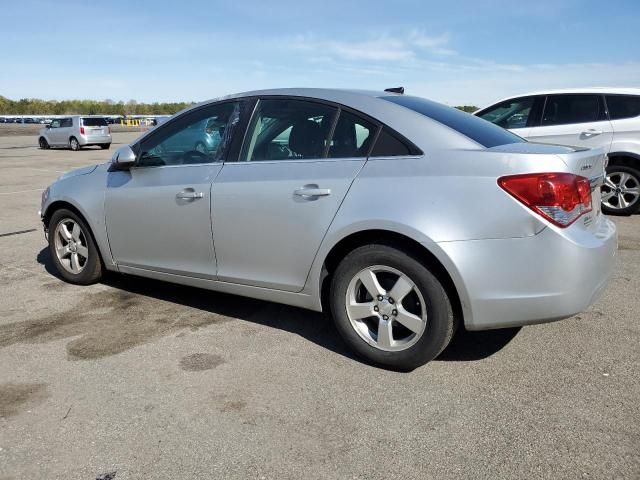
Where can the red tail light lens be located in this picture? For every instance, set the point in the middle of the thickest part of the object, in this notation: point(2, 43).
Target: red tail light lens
point(561, 198)
point(81, 130)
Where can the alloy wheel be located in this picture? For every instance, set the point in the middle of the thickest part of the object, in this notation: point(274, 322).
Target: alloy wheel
point(620, 190)
point(386, 308)
point(71, 246)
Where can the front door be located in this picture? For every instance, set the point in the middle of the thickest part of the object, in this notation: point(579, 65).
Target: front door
point(272, 208)
point(158, 213)
point(577, 120)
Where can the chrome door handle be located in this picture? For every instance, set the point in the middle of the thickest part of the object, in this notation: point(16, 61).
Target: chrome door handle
point(592, 132)
point(312, 192)
point(187, 195)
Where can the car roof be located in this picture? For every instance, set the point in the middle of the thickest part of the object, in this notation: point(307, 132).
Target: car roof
point(597, 90)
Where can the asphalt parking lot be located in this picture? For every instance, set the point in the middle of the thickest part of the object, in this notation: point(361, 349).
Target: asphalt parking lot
point(155, 381)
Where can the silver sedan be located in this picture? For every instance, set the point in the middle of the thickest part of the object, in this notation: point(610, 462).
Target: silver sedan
point(403, 217)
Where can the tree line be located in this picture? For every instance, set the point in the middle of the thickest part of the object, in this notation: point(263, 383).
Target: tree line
point(36, 106)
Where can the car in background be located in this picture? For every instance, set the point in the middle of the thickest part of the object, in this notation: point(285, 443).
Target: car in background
point(403, 217)
point(75, 132)
point(593, 117)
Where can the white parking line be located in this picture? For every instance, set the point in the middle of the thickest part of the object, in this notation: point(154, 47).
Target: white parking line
point(22, 191)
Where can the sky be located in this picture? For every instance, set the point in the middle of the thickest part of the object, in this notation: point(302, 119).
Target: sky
point(456, 52)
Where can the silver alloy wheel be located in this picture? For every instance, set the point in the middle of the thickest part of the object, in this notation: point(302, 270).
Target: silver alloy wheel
point(390, 319)
point(620, 190)
point(70, 243)
point(74, 144)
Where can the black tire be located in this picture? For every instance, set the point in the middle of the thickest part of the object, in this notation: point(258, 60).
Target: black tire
point(74, 144)
point(105, 146)
point(440, 324)
point(614, 171)
point(42, 142)
point(92, 269)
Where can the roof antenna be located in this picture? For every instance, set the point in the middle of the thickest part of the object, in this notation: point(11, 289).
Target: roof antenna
point(395, 90)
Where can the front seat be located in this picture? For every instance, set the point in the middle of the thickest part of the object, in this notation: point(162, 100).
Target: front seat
point(307, 139)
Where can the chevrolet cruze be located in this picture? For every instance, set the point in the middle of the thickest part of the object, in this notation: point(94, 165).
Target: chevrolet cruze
point(403, 217)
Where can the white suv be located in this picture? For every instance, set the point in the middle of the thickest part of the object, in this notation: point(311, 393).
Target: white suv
point(593, 117)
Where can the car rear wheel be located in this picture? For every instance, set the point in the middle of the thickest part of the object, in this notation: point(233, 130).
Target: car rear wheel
point(74, 144)
point(44, 145)
point(390, 308)
point(72, 248)
point(621, 190)
point(105, 146)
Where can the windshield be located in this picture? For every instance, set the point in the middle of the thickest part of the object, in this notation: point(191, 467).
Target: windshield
point(94, 122)
point(485, 133)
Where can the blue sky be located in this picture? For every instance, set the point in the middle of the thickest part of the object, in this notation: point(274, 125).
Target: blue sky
point(457, 52)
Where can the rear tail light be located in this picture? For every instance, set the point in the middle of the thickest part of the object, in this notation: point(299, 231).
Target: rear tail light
point(561, 198)
point(81, 130)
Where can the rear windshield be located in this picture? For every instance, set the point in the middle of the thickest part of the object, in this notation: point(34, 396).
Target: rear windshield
point(94, 122)
point(485, 133)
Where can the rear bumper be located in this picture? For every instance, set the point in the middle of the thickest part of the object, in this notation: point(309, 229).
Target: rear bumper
point(94, 139)
point(520, 281)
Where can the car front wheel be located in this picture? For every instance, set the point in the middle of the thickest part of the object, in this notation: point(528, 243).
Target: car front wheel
point(72, 248)
point(390, 308)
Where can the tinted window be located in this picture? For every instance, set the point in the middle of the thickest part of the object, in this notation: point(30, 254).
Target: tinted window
point(352, 136)
point(510, 113)
point(94, 122)
point(202, 136)
point(567, 109)
point(284, 129)
point(623, 106)
point(388, 145)
point(66, 122)
point(485, 133)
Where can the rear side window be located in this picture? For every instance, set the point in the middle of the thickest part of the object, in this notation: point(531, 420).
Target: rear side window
point(352, 136)
point(286, 129)
point(388, 145)
point(94, 122)
point(623, 106)
point(480, 131)
point(66, 122)
point(568, 109)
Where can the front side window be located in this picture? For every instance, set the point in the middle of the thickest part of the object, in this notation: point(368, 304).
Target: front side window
point(510, 113)
point(55, 124)
point(285, 129)
point(623, 106)
point(568, 109)
point(202, 136)
point(352, 136)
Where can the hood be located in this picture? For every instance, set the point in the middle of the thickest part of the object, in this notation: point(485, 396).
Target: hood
point(78, 171)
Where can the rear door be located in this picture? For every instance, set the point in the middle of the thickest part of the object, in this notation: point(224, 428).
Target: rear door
point(577, 120)
point(272, 208)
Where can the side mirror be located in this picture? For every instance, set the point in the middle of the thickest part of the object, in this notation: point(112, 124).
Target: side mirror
point(123, 158)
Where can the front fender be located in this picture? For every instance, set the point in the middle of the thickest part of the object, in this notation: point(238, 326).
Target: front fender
point(85, 193)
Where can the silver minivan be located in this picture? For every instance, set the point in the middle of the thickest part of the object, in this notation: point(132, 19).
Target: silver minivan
point(75, 132)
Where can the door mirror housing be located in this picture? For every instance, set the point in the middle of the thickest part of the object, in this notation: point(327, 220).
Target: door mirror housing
point(123, 158)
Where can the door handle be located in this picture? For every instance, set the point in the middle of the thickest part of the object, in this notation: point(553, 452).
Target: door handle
point(592, 132)
point(312, 191)
point(189, 195)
